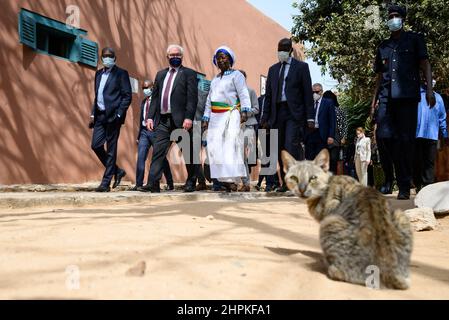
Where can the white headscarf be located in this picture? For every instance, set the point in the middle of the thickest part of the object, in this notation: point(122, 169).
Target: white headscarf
point(226, 50)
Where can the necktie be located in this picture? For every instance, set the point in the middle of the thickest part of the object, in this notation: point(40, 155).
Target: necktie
point(167, 91)
point(281, 82)
point(147, 110)
point(317, 104)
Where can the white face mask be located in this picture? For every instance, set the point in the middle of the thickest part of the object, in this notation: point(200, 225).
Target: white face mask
point(147, 92)
point(316, 97)
point(108, 62)
point(395, 24)
point(283, 56)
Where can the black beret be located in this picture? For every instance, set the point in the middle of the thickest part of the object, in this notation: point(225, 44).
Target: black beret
point(399, 9)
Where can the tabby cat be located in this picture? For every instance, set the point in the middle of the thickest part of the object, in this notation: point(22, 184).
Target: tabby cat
point(358, 228)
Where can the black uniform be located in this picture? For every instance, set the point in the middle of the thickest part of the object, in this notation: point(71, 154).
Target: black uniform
point(384, 139)
point(399, 62)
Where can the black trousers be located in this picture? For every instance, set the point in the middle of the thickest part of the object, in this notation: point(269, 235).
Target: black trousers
point(290, 135)
point(146, 140)
point(314, 144)
point(202, 173)
point(404, 116)
point(334, 153)
point(272, 181)
point(386, 149)
point(425, 157)
point(106, 133)
point(161, 147)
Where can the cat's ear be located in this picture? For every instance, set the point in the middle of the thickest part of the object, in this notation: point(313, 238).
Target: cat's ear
point(287, 160)
point(322, 160)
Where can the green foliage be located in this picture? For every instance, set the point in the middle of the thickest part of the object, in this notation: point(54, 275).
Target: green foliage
point(344, 35)
point(357, 113)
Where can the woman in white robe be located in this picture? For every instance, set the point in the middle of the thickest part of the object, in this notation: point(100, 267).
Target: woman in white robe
point(226, 109)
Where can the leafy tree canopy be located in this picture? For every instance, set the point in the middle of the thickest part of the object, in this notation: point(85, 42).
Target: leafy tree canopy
point(344, 35)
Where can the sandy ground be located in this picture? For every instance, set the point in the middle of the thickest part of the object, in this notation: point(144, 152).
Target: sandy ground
point(252, 249)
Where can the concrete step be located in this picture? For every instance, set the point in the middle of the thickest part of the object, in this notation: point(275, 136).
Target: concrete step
point(32, 199)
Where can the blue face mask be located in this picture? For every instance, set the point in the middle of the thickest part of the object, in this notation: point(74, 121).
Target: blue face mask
point(108, 62)
point(147, 92)
point(175, 62)
point(395, 24)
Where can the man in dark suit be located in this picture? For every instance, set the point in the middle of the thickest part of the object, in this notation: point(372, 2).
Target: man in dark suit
point(145, 139)
point(323, 135)
point(288, 103)
point(173, 107)
point(113, 96)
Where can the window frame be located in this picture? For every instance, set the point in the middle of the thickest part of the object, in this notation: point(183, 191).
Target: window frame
point(83, 50)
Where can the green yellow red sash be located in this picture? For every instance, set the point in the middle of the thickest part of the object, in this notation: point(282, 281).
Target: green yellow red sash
point(221, 107)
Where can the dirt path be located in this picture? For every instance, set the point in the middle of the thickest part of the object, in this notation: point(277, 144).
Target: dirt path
point(261, 249)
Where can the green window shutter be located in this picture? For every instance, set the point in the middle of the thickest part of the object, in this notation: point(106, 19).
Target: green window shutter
point(87, 52)
point(205, 85)
point(27, 31)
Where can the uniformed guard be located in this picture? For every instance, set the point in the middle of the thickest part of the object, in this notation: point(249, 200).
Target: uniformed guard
point(399, 60)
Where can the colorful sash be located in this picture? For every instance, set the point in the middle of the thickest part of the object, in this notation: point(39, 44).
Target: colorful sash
point(220, 107)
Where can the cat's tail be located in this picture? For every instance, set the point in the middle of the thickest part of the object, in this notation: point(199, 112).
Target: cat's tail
point(397, 271)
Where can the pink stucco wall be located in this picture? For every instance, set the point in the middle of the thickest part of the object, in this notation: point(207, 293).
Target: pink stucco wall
point(45, 102)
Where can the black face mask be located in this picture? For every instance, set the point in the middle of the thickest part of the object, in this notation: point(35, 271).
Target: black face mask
point(175, 62)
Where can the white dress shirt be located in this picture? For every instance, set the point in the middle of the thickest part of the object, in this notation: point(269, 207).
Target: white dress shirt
point(145, 110)
point(171, 88)
point(287, 69)
point(317, 111)
point(100, 98)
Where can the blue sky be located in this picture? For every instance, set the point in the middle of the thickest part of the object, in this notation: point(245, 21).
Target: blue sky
point(282, 11)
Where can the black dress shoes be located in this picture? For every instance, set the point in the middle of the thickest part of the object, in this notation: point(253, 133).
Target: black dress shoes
point(118, 178)
point(201, 186)
point(139, 189)
point(103, 189)
point(189, 188)
point(403, 196)
point(169, 187)
point(155, 188)
point(387, 188)
point(282, 189)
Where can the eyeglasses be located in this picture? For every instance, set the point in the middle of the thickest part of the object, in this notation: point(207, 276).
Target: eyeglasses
point(175, 55)
point(108, 55)
point(317, 92)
